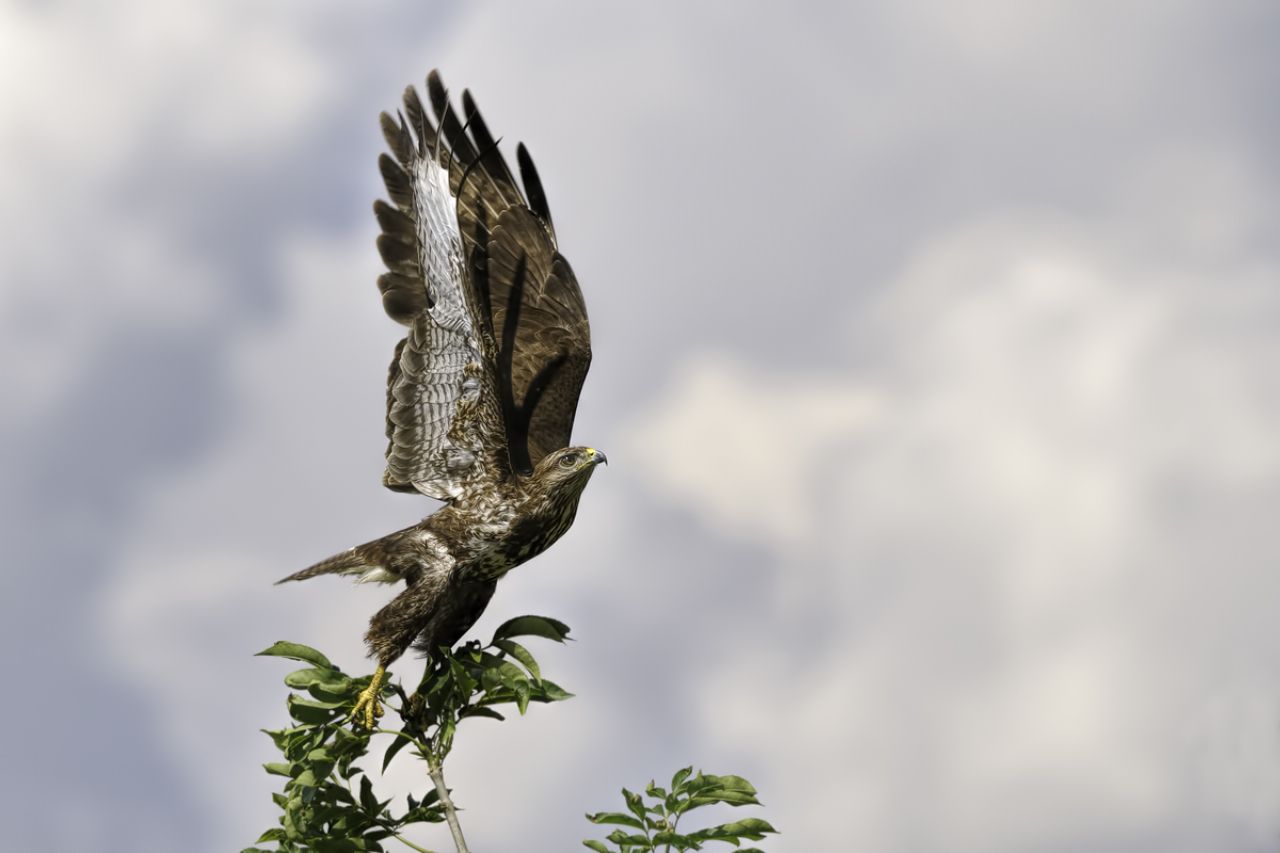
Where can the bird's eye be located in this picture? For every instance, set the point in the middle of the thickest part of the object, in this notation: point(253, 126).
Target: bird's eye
point(568, 460)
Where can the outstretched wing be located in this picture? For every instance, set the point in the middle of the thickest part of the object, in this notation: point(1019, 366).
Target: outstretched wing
point(444, 410)
point(518, 316)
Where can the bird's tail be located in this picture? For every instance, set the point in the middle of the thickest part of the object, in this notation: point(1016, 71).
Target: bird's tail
point(353, 561)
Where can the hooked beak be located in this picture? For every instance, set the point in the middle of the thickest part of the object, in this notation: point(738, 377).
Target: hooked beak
point(597, 457)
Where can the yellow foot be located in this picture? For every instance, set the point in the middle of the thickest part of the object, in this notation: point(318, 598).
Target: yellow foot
point(368, 709)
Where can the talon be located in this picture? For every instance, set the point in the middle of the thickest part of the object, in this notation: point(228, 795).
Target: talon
point(368, 709)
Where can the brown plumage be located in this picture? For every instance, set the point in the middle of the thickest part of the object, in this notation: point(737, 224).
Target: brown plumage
point(482, 391)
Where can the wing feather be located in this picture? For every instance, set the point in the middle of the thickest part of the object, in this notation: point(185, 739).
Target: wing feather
point(552, 343)
point(486, 382)
point(444, 423)
point(552, 350)
point(533, 187)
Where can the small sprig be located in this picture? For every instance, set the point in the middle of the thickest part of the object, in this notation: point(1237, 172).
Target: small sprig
point(473, 680)
point(327, 803)
point(651, 821)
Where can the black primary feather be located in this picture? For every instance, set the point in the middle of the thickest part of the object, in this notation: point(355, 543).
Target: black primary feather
point(533, 187)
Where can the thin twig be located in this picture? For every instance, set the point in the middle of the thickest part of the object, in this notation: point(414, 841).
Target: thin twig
point(419, 745)
point(404, 840)
point(450, 812)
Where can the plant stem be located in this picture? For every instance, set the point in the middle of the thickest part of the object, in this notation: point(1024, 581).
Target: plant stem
point(450, 812)
point(419, 745)
point(404, 840)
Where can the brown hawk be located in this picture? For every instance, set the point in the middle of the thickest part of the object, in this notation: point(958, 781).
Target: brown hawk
point(482, 391)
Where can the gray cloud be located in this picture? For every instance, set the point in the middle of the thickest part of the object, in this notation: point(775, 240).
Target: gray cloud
point(1035, 552)
point(983, 293)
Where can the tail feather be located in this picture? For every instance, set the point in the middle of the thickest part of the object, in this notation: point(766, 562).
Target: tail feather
point(353, 561)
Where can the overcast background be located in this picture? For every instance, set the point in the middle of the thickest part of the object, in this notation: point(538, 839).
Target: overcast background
point(936, 360)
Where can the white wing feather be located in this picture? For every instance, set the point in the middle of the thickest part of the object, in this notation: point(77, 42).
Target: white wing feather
point(440, 366)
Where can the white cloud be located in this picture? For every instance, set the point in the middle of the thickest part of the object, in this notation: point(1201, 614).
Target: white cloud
point(164, 627)
point(1009, 553)
point(101, 104)
point(89, 85)
point(1025, 541)
point(748, 457)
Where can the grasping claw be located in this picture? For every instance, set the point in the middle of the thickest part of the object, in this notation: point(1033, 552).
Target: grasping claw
point(368, 709)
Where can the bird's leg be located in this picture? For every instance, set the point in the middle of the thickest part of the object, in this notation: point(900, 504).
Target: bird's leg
point(368, 709)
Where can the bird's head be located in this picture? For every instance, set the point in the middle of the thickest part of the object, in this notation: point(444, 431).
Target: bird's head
point(568, 468)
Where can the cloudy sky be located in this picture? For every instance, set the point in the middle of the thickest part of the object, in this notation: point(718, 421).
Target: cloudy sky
point(936, 358)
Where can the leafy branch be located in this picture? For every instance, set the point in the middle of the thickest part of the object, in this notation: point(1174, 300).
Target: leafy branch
point(654, 819)
point(327, 803)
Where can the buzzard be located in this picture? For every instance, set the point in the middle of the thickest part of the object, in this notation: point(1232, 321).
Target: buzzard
point(482, 390)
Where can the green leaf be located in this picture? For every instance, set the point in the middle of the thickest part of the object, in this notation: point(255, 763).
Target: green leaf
point(509, 673)
point(307, 711)
point(680, 842)
point(490, 680)
point(619, 837)
point(348, 744)
point(752, 828)
point(398, 744)
point(303, 742)
point(334, 845)
point(297, 651)
point(295, 699)
point(677, 781)
point(554, 692)
point(616, 818)
point(276, 834)
point(634, 803)
point(522, 695)
point(322, 769)
point(280, 737)
point(598, 846)
point(276, 768)
point(487, 660)
point(521, 654)
point(367, 800)
point(301, 679)
point(731, 798)
point(729, 783)
point(481, 711)
point(327, 693)
point(532, 626)
point(731, 790)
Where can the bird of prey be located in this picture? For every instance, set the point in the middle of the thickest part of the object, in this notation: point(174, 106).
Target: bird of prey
point(483, 388)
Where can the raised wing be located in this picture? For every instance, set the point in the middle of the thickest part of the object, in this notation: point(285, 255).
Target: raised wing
point(490, 299)
point(444, 410)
